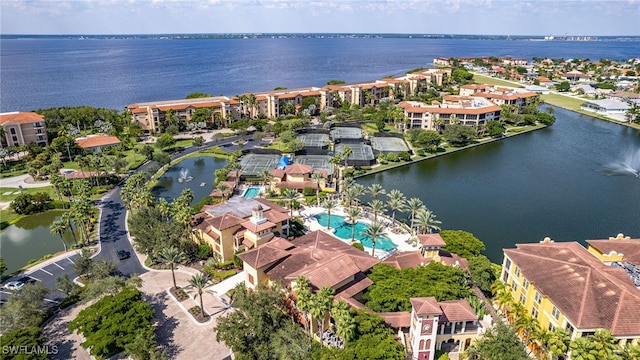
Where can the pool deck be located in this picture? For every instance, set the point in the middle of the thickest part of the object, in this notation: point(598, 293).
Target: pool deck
point(400, 239)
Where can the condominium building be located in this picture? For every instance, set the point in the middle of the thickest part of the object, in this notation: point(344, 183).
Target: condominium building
point(465, 110)
point(500, 95)
point(23, 128)
point(564, 285)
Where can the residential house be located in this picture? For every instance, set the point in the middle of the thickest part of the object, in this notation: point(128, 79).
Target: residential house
point(23, 128)
point(607, 107)
point(239, 224)
point(564, 285)
point(97, 143)
point(294, 176)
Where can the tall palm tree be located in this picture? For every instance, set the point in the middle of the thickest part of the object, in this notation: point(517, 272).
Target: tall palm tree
point(373, 232)
point(426, 221)
point(414, 204)
point(59, 226)
point(336, 161)
point(346, 152)
point(375, 189)
point(322, 304)
point(56, 180)
point(265, 174)
point(68, 221)
point(199, 282)
point(329, 204)
point(353, 214)
point(317, 179)
point(224, 190)
point(304, 297)
point(345, 323)
point(164, 208)
point(291, 196)
point(172, 256)
point(396, 202)
point(377, 206)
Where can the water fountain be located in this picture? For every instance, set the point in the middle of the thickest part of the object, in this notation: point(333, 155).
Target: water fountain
point(629, 165)
point(184, 175)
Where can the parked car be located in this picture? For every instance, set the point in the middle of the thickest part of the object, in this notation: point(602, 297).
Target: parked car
point(123, 254)
point(14, 285)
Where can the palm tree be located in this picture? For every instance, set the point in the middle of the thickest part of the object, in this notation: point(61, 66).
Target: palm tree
point(304, 297)
point(346, 152)
point(321, 305)
point(345, 323)
point(414, 205)
point(527, 327)
point(224, 189)
point(375, 189)
point(172, 256)
point(353, 214)
point(317, 179)
point(198, 283)
point(59, 226)
point(164, 208)
point(373, 232)
point(336, 160)
point(329, 204)
point(426, 221)
point(290, 196)
point(265, 174)
point(68, 221)
point(396, 202)
point(56, 180)
point(377, 206)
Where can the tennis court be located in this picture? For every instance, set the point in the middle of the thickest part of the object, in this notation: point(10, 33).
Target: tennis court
point(253, 164)
point(361, 154)
point(320, 141)
point(317, 162)
point(388, 144)
point(346, 133)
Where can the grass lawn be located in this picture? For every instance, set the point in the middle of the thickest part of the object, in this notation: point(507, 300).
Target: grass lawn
point(565, 102)
point(481, 79)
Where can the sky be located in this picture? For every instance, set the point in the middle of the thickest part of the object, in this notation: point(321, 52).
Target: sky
point(481, 17)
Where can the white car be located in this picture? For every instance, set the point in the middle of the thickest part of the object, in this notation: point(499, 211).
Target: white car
point(14, 285)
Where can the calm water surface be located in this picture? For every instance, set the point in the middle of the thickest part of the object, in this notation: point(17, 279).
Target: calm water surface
point(546, 183)
point(196, 174)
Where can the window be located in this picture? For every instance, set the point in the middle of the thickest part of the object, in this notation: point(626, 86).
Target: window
point(523, 299)
point(517, 271)
point(551, 327)
point(555, 312)
point(13, 131)
point(505, 277)
point(507, 264)
point(251, 280)
point(525, 284)
point(534, 313)
point(514, 286)
point(538, 297)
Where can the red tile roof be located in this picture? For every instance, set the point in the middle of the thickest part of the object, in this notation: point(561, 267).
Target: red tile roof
point(426, 306)
point(457, 310)
point(225, 221)
point(20, 118)
point(589, 293)
point(96, 141)
point(431, 240)
point(296, 184)
point(298, 169)
point(396, 320)
point(627, 247)
point(254, 228)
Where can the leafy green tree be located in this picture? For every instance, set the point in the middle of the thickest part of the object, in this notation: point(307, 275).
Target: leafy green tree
point(24, 308)
point(498, 343)
point(29, 338)
point(457, 134)
point(563, 86)
point(27, 203)
point(557, 343)
point(544, 118)
point(113, 322)
point(462, 243)
point(495, 128)
point(3, 266)
point(147, 151)
point(198, 141)
point(153, 233)
point(195, 95)
point(392, 288)
point(65, 285)
point(372, 340)
point(428, 139)
point(482, 273)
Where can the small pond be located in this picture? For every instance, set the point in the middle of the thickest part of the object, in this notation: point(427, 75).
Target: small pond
point(29, 239)
point(196, 174)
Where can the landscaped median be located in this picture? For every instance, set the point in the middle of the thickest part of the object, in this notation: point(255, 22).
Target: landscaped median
point(189, 306)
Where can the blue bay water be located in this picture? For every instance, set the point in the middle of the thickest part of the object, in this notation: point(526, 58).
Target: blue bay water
point(113, 73)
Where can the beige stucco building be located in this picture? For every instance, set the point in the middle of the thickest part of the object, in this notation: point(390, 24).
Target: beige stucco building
point(23, 128)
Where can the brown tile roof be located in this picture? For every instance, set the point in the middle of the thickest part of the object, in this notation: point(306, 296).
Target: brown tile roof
point(398, 319)
point(298, 169)
point(279, 173)
point(254, 228)
point(325, 260)
point(457, 310)
point(450, 259)
point(272, 205)
point(426, 306)
point(225, 221)
point(276, 216)
point(589, 293)
point(20, 118)
point(627, 247)
point(264, 255)
point(97, 140)
point(80, 174)
point(137, 110)
point(358, 284)
point(403, 260)
point(296, 184)
point(431, 240)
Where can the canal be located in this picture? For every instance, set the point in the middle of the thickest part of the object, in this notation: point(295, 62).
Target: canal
point(572, 181)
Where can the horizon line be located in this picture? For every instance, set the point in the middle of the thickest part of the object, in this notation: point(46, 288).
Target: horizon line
point(312, 33)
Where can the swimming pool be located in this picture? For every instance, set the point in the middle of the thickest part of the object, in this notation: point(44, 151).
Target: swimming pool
point(343, 231)
point(251, 192)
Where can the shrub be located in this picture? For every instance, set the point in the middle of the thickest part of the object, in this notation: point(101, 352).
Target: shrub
point(358, 246)
point(203, 252)
point(393, 157)
point(308, 191)
point(404, 156)
point(26, 204)
point(421, 152)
